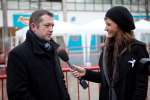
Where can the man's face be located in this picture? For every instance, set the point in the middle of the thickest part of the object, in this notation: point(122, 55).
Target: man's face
point(45, 28)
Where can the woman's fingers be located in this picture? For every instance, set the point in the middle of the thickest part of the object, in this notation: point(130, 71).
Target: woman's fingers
point(76, 74)
point(78, 71)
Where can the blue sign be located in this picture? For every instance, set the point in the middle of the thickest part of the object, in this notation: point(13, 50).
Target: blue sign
point(93, 43)
point(22, 20)
point(75, 44)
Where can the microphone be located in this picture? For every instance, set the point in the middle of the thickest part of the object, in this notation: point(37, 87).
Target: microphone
point(64, 56)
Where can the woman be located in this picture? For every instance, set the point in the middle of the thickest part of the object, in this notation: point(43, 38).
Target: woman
point(121, 75)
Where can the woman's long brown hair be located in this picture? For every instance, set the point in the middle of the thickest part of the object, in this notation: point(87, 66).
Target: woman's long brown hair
point(120, 41)
point(115, 45)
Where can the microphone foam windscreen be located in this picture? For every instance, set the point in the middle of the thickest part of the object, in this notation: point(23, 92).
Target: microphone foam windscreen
point(63, 54)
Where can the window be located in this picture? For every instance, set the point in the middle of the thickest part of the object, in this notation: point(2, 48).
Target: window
point(89, 7)
point(80, 1)
point(107, 1)
point(12, 4)
point(98, 1)
point(119, 1)
point(23, 5)
point(80, 6)
point(89, 1)
point(71, 6)
point(134, 2)
point(70, 0)
point(99, 7)
point(127, 2)
point(54, 0)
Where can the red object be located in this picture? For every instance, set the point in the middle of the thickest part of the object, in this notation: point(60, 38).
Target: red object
point(2, 58)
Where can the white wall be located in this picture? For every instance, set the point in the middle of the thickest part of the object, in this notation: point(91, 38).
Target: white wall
point(79, 17)
point(84, 17)
point(73, 17)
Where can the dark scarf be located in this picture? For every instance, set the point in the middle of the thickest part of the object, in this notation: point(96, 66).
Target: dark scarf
point(43, 44)
point(112, 93)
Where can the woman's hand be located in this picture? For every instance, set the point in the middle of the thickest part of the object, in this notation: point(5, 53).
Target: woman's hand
point(78, 71)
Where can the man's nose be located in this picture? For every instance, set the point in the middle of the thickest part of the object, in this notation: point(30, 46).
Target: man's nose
point(51, 28)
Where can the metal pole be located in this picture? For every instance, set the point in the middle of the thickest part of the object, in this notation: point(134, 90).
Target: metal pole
point(113, 3)
point(146, 10)
point(64, 9)
point(39, 4)
point(5, 33)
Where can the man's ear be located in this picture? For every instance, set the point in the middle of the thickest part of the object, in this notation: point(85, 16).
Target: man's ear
point(32, 26)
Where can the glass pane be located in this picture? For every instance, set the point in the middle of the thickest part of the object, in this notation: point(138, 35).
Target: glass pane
point(127, 2)
point(98, 7)
point(107, 1)
point(141, 5)
point(89, 1)
point(12, 5)
point(46, 5)
point(43, 0)
point(98, 1)
point(134, 8)
point(80, 7)
point(107, 6)
point(135, 2)
point(56, 6)
point(23, 5)
point(34, 0)
point(22, 0)
point(81, 1)
point(142, 8)
point(118, 1)
point(12, 0)
point(141, 2)
point(70, 0)
point(89, 7)
point(34, 5)
point(70, 6)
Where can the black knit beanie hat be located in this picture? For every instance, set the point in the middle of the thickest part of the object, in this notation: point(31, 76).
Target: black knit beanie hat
point(122, 17)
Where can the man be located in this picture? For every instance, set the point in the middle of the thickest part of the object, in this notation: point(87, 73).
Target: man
point(33, 70)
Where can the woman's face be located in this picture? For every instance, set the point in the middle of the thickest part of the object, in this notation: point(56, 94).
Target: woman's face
point(111, 28)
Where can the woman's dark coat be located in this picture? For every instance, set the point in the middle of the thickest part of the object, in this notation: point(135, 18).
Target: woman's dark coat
point(132, 82)
point(33, 74)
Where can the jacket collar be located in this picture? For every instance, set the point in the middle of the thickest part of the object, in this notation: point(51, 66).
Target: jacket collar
point(32, 39)
point(36, 44)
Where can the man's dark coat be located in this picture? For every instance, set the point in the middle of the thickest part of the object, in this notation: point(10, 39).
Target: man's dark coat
point(33, 74)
